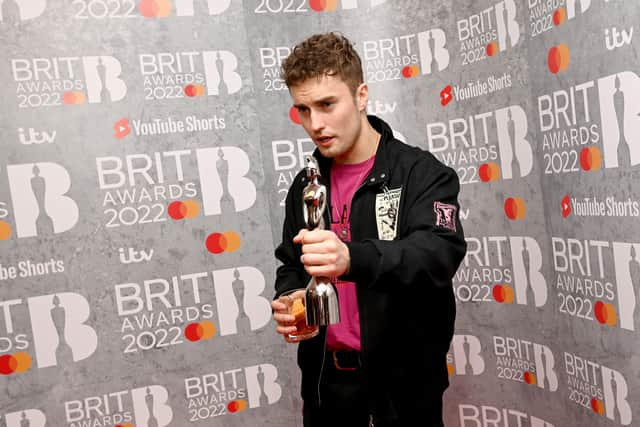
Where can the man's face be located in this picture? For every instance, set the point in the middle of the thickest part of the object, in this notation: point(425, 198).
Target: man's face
point(331, 115)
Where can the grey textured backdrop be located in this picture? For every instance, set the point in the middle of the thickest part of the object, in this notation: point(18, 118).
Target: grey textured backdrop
point(147, 147)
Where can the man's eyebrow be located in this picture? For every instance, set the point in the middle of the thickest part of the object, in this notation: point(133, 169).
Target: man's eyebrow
point(317, 101)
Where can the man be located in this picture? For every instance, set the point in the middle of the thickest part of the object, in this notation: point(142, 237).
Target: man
point(395, 243)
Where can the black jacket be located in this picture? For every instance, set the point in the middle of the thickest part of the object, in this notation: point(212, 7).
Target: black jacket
point(404, 290)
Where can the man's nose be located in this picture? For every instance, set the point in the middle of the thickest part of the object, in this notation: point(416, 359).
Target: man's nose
point(317, 121)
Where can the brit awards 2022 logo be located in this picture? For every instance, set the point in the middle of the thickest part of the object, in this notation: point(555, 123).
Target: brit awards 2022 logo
point(526, 362)
point(488, 32)
point(598, 280)
point(544, 15)
point(67, 80)
point(146, 406)
point(305, 6)
point(153, 9)
point(56, 334)
point(598, 388)
point(163, 312)
point(25, 418)
point(15, 11)
point(142, 188)
point(231, 391)
point(172, 75)
point(575, 138)
point(405, 56)
point(472, 415)
point(503, 269)
point(484, 147)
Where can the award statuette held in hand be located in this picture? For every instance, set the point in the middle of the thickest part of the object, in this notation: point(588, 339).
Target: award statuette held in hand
point(321, 297)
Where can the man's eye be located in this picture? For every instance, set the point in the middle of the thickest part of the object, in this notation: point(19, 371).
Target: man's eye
point(327, 104)
point(302, 109)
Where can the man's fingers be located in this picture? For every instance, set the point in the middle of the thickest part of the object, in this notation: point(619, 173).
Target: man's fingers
point(284, 319)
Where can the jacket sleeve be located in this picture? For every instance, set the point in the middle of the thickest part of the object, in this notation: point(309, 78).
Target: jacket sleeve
point(291, 274)
point(427, 251)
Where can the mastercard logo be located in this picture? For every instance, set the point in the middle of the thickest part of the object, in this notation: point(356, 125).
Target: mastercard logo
point(559, 58)
point(237, 406)
point(185, 209)
point(15, 363)
point(515, 208)
point(605, 313)
point(323, 5)
point(5, 230)
point(451, 369)
point(155, 8)
point(294, 115)
point(197, 331)
point(73, 97)
point(194, 90)
point(228, 241)
point(530, 378)
point(124, 425)
point(492, 48)
point(597, 406)
point(559, 16)
point(590, 158)
point(489, 172)
point(503, 294)
point(410, 71)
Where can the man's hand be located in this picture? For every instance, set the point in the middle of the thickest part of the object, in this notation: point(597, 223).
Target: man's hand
point(323, 253)
point(285, 321)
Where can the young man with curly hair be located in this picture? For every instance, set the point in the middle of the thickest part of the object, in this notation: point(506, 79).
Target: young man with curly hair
point(394, 244)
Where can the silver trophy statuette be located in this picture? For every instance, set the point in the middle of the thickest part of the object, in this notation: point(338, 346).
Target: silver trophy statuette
point(321, 297)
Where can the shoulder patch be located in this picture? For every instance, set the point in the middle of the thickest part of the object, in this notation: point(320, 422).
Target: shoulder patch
point(445, 215)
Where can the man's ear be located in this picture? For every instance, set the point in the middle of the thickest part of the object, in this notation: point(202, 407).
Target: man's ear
point(362, 96)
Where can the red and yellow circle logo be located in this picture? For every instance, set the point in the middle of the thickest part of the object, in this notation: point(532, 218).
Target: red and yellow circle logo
point(228, 241)
point(530, 378)
point(237, 406)
point(323, 5)
point(5, 230)
point(559, 16)
point(489, 172)
point(73, 98)
point(559, 58)
point(410, 71)
point(155, 8)
point(515, 208)
point(606, 313)
point(185, 209)
point(503, 294)
point(197, 331)
point(492, 48)
point(194, 90)
point(15, 363)
point(590, 158)
point(597, 406)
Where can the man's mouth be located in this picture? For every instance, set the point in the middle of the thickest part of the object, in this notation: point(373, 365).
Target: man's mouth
point(324, 140)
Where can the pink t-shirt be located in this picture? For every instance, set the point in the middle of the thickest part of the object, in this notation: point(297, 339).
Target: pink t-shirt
point(345, 180)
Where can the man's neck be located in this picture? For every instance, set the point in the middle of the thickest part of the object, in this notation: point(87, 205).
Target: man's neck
point(366, 145)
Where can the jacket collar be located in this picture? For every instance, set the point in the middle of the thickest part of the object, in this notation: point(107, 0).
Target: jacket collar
point(380, 171)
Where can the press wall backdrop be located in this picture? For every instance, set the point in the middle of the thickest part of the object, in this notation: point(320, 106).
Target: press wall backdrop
point(147, 148)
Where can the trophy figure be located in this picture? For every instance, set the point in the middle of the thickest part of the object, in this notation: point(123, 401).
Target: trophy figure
point(321, 297)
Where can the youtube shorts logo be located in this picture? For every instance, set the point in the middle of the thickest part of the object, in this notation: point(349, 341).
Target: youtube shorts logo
point(121, 128)
point(566, 206)
point(445, 96)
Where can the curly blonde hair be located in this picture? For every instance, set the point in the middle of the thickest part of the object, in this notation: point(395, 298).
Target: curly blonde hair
point(329, 54)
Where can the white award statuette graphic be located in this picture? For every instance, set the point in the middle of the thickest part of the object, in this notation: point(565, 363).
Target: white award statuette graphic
point(60, 334)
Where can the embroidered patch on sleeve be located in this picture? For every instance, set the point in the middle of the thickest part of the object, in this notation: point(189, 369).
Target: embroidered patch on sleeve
point(445, 215)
